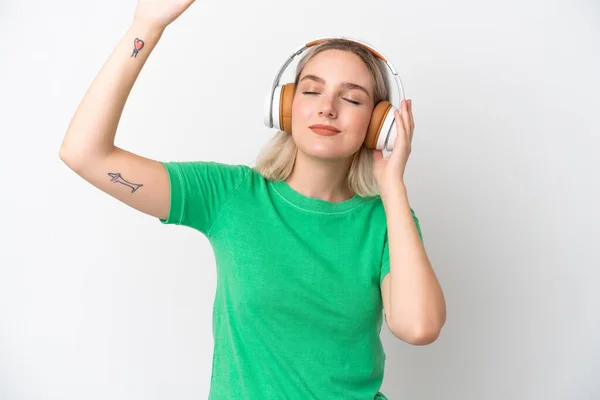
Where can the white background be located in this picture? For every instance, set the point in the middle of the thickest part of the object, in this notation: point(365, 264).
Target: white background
point(99, 301)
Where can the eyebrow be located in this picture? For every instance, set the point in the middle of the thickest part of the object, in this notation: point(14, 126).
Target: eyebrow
point(348, 85)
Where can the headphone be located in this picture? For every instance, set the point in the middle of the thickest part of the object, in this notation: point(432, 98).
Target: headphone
point(381, 132)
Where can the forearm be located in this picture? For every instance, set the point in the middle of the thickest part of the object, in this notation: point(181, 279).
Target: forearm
point(416, 299)
point(92, 130)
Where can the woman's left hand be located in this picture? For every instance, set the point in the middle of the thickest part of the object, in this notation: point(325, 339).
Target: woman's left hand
point(389, 171)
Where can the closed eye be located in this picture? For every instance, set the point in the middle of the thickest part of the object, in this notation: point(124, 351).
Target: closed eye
point(348, 100)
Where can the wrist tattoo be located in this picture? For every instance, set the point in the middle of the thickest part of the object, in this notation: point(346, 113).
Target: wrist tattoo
point(138, 44)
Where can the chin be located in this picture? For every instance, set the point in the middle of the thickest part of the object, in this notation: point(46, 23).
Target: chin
point(329, 151)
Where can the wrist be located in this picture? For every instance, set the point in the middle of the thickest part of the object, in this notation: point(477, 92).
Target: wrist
point(149, 29)
point(394, 194)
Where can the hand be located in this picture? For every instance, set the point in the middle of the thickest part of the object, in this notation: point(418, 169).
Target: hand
point(160, 13)
point(389, 171)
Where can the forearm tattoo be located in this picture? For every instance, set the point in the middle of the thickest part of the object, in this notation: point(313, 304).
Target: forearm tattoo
point(117, 178)
point(138, 44)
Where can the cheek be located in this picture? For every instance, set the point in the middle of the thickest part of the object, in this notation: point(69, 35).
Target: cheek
point(361, 122)
point(297, 118)
point(300, 115)
point(299, 109)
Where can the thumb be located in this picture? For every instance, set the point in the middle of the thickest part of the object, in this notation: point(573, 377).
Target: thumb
point(377, 155)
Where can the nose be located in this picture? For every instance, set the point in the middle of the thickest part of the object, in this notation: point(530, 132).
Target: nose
point(327, 107)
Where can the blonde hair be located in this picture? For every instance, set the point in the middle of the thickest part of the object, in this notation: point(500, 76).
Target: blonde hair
point(276, 159)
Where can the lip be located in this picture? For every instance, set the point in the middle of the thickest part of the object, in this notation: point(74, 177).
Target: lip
point(324, 130)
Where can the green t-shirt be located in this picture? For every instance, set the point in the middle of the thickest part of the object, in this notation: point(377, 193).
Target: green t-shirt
point(298, 311)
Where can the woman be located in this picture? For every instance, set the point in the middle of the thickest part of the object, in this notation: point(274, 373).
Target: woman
point(310, 244)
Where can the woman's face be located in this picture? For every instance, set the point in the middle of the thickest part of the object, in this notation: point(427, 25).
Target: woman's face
point(330, 92)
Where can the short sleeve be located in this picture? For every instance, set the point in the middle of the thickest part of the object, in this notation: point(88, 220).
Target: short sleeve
point(385, 260)
point(198, 190)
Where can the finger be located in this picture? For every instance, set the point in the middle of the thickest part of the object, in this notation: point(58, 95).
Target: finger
point(412, 116)
point(399, 123)
point(411, 121)
point(401, 135)
point(406, 118)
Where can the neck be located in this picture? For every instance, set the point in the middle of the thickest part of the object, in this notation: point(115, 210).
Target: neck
point(320, 178)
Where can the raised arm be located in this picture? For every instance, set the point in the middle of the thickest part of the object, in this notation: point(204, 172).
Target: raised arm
point(88, 146)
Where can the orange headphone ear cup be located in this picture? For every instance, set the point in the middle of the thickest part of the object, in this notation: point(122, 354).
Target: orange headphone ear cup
point(377, 119)
point(285, 107)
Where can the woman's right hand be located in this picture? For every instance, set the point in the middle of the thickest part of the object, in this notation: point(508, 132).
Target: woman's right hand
point(160, 13)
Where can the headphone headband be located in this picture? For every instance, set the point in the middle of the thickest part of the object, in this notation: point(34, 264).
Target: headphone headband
point(391, 76)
